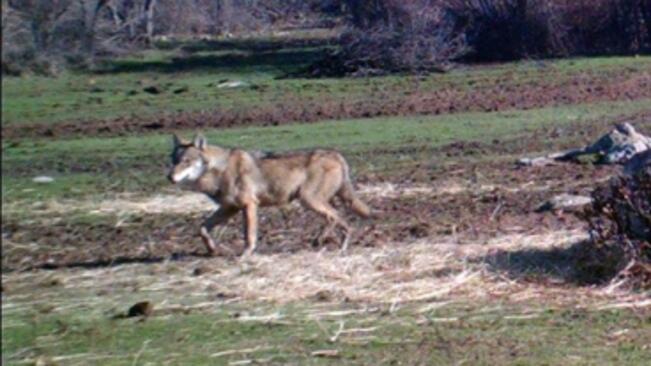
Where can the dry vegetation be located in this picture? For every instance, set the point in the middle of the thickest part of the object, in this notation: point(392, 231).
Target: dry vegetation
point(424, 35)
point(384, 36)
point(514, 269)
point(46, 37)
point(620, 223)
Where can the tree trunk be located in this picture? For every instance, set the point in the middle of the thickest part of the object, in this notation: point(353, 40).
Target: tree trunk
point(521, 28)
point(646, 15)
point(117, 22)
point(90, 14)
point(149, 19)
point(38, 36)
point(226, 15)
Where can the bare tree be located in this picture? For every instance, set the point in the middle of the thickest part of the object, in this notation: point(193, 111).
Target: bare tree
point(41, 16)
point(368, 13)
point(148, 10)
point(90, 10)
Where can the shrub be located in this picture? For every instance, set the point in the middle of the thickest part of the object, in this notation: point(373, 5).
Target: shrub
point(606, 26)
point(419, 35)
point(506, 30)
point(620, 227)
point(411, 36)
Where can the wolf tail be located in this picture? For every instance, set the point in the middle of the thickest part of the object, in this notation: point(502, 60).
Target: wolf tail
point(347, 193)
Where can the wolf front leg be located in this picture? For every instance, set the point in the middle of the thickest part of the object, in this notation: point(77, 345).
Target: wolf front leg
point(219, 217)
point(250, 227)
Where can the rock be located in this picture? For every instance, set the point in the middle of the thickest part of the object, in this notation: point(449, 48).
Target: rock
point(419, 230)
point(638, 163)
point(564, 201)
point(328, 353)
point(323, 296)
point(201, 270)
point(180, 90)
point(43, 179)
point(143, 308)
point(620, 144)
point(43, 361)
point(616, 147)
point(153, 89)
point(231, 84)
point(225, 295)
point(52, 282)
point(540, 161)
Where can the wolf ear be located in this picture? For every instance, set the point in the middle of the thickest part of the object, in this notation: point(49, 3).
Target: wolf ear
point(199, 141)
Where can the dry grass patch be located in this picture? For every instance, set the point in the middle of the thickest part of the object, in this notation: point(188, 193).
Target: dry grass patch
point(185, 202)
point(424, 272)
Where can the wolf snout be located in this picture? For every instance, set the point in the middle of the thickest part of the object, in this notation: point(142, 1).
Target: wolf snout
point(170, 177)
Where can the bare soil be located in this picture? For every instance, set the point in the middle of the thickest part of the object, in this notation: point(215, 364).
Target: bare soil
point(507, 94)
point(465, 198)
point(477, 203)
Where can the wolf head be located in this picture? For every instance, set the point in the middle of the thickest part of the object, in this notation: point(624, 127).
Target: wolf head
point(188, 160)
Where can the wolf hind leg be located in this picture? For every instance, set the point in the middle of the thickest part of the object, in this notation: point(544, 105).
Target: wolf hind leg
point(332, 216)
point(323, 235)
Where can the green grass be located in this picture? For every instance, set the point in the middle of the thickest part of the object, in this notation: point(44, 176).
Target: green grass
point(477, 337)
point(90, 166)
point(56, 320)
point(118, 91)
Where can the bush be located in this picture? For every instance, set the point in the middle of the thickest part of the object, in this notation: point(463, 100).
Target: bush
point(379, 52)
point(19, 61)
point(606, 26)
point(620, 227)
point(507, 30)
point(412, 36)
point(14, 61)
point(418, 35)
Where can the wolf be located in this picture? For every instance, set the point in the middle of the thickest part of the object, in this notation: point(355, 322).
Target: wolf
point(241, 181)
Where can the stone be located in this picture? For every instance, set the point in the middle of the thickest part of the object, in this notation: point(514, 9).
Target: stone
point(564, 202)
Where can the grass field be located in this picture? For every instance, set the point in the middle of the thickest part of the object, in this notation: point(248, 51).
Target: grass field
point(376, 336)
point(460, 268)
point(137, 164)
point(191, 83)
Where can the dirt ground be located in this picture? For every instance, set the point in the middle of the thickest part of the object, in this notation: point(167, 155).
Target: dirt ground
point(470, 202)
point(466, 198)
point(509, 267)
point(463, 229)
point(458, 241)
point(505, 95)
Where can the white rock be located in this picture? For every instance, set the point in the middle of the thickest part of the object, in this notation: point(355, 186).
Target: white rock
point(616, 147)
point(43, 179)
point(565, 201)
point(231, 84)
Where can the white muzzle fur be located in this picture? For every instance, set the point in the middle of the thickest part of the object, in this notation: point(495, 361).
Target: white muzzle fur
point(189, 174)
